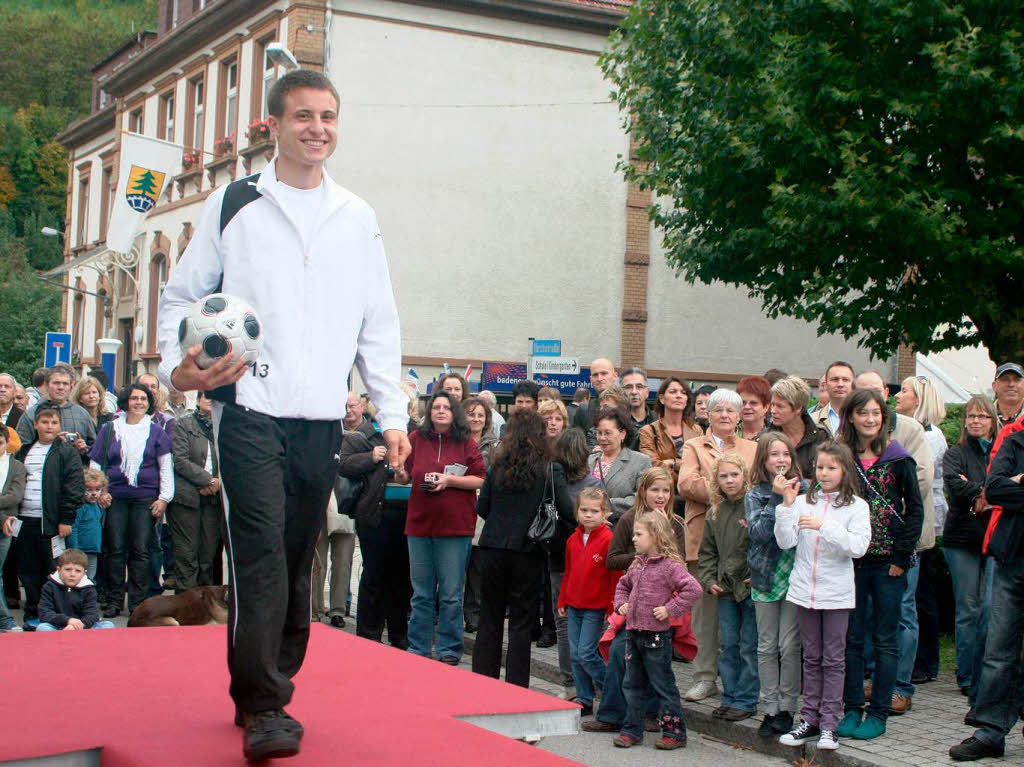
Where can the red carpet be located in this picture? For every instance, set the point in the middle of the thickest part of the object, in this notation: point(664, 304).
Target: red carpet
point(158, 696)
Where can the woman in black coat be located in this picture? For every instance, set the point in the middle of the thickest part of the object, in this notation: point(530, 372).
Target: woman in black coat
point(964, 467)
point(522, 474)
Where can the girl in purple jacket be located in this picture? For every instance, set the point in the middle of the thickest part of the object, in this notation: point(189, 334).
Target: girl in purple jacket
point(656, 587)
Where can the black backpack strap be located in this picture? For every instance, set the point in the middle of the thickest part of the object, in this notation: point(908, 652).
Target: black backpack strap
point(238, 194)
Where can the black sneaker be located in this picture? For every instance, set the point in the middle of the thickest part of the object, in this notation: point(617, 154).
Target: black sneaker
point(800, 734)
point(268, 735)
point(973, 749)
point(783, 723)
point(767, 728)
point(287, 720)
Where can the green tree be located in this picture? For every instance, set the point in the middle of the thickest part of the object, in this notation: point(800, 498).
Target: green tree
point(30, 307)
point(858, 165)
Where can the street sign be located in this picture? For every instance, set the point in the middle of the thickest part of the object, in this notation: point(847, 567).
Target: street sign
point(546, 347)
point(501, 377)
point(57, 349)
point(568, 366)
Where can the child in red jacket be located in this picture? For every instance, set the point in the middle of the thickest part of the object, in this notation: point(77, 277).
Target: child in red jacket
point(588, 588)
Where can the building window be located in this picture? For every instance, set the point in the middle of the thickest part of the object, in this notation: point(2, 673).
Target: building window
point(83, 209)
point(196, 124)
point(165, 129)
point(174, 13)
point(231, 97)
point(106, 197)
point(135, 121)
point(198, 5)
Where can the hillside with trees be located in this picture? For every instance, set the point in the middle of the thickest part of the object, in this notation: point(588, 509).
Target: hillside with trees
point(45, 84)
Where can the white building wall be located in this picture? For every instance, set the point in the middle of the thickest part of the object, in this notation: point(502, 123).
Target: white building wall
point(490, 164)
point(717, 328)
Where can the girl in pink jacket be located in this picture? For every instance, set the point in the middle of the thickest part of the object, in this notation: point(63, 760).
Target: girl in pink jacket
point(656, 587)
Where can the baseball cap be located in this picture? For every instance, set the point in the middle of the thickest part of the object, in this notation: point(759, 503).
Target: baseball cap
point(1009, 367)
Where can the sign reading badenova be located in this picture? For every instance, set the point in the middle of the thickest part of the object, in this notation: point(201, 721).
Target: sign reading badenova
point(503, 376)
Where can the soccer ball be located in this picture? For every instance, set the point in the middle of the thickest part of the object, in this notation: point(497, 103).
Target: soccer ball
point(222, 324)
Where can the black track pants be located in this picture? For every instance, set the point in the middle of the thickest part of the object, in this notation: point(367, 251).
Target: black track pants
point(276, 474)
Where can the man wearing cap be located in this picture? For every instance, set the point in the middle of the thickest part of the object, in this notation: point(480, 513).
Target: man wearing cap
point(1009, 391)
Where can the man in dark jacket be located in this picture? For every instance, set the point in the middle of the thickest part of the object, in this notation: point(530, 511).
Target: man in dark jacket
point(54, 490)
point(999, 701)
point(602, 375)
point(194, 516)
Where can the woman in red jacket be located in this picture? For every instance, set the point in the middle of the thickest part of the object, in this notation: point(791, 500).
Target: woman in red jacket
point(446, 470)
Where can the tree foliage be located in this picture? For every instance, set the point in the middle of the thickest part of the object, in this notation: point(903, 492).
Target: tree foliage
point(30, 307)
point(858, 165)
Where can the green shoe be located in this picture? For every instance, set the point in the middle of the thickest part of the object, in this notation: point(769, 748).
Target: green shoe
point(870, 728)
point(851, 721)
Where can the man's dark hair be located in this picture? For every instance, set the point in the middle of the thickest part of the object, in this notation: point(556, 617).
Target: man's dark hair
point(774, 375)
point(39, 376)
point(126, 392)
point(298, 78)
point(526, 389)
point(705, 389)
point(101, 375)
point(582, 394)
point(840, 364)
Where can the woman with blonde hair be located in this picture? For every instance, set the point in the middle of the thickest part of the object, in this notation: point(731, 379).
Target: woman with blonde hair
point(90, 394)
point(556, 417)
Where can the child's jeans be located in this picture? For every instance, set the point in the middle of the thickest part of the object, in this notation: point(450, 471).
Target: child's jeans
point(90, 569)
point(823, 635)
point(96, 625)
point(35, 562)
point(649, 661)
point(737, 662)
point(588, 668)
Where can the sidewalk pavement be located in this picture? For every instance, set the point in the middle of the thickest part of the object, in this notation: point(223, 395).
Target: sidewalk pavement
point(920, 737)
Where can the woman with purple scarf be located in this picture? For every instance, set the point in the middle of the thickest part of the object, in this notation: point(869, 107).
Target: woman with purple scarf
point(135, 454)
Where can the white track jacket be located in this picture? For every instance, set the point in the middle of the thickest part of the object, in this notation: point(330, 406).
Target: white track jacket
point(822, 576)
point(324, 306)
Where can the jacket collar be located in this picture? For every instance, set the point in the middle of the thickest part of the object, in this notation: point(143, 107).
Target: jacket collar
point(337, 196)
point(55, 577)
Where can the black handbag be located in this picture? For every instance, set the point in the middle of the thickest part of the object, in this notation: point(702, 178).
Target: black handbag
point(545, 523)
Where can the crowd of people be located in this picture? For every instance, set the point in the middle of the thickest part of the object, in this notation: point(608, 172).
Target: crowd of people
point(787, 551)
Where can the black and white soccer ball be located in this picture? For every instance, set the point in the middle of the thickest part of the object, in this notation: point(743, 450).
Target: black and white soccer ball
point(221, 324)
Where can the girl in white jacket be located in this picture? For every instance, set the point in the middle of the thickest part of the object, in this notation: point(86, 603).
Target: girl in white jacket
point(830, 527)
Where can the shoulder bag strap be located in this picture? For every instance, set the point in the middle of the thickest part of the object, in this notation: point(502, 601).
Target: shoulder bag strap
point(867, 483)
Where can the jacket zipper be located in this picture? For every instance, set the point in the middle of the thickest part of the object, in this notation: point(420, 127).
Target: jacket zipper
point(817, 544)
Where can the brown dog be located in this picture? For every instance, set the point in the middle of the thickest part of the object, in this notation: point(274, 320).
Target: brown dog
point(198, 606)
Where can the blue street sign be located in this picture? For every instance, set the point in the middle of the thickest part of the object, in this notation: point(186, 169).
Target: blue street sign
point(57, 349)
point(546, 347)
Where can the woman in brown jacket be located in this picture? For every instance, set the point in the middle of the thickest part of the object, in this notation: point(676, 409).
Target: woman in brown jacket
point(695, 478)
point(662, 441)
